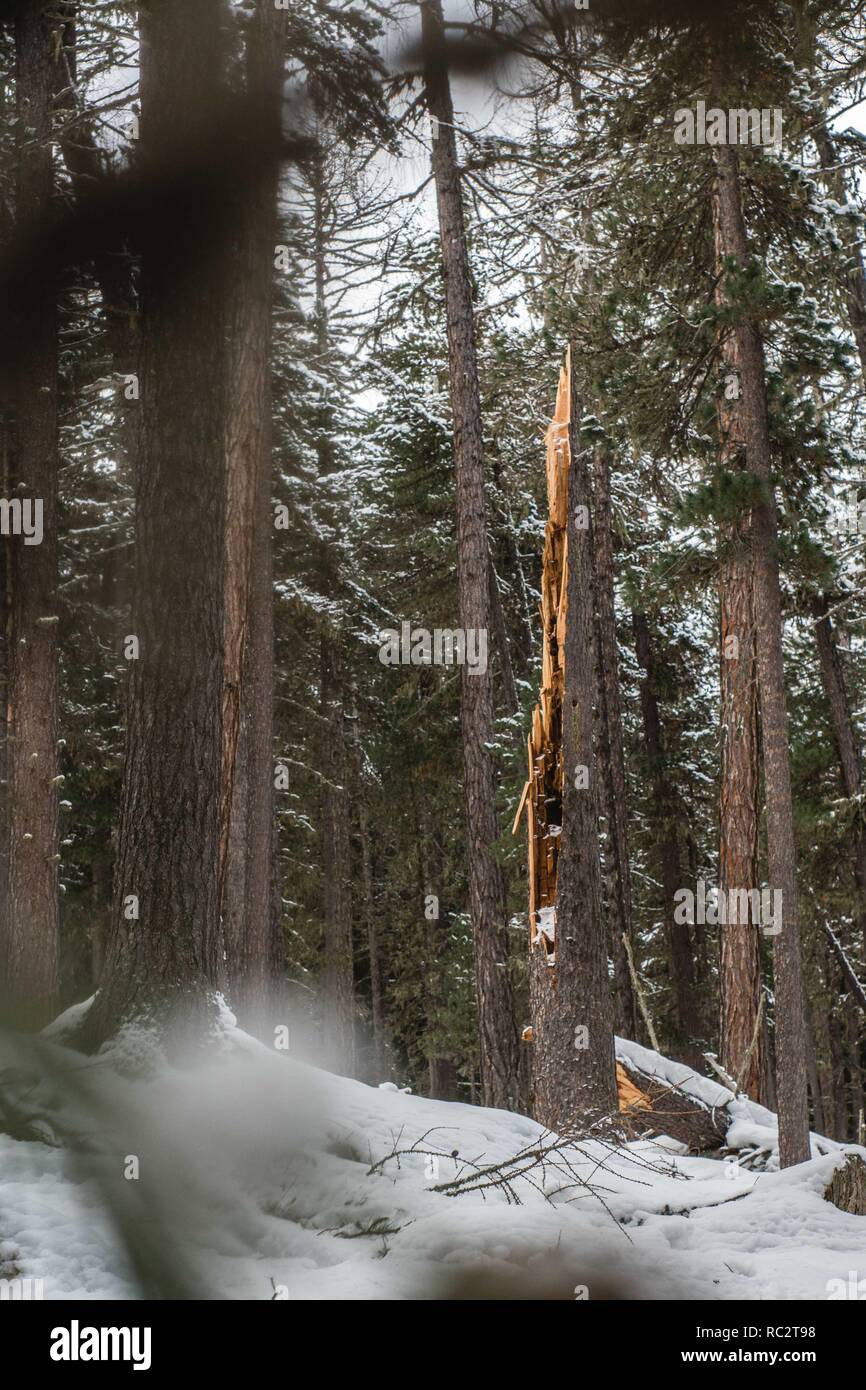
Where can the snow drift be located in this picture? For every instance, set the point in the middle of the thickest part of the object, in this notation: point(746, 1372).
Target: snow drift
point(250, 1175)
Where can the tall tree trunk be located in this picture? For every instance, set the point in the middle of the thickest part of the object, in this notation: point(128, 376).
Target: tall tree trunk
point(233, 865)
point(7, 432)
point(749, 430)
point(847, 746)
point(163, 955)
point(5, 459)
point(666, 818)
point(496, 1027)
point(574, 1071)
point(262, 960)
point(742, 1053)
point(32, 921)
point(247, 830)
point(612, 783)
point(88, 166)
point(338, 1005)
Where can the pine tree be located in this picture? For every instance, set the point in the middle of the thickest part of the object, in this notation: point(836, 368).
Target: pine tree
point(247, 831)
point(164, 949)
point(498, 1039)
point(573, 1072)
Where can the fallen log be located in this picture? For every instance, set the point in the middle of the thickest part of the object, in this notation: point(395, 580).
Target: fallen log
point(666, 1109)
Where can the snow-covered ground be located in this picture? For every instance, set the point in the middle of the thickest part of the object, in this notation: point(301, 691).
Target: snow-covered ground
point(254, 1182)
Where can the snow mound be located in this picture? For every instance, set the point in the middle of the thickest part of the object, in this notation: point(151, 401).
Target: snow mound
point(251, 1175)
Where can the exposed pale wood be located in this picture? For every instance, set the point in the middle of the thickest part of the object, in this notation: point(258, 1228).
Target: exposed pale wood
point(544, 791)
point(537, 730)
point(520, 807)
point(630, 1097)
point(530, 822)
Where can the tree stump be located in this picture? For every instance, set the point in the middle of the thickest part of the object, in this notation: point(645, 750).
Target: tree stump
point(847, 1189)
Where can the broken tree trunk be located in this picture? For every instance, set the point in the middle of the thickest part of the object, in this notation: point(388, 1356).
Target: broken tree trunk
point(542, 795)
point(574, 1082)
point(611, 758)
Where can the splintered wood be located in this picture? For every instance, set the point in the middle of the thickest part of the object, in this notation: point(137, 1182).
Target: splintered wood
point(542, 795)
point(629, 1097)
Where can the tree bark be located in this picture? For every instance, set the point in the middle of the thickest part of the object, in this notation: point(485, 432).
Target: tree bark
point(573, 1049)
point(497, 1033)
point(750, 431)
point(847, 1188)
point(262, 961)
point(740, 954)
point(6, 428)
point(32, 921)
point(165, 963)
point(247, 829)
point(612, 783)
point(742, 1054)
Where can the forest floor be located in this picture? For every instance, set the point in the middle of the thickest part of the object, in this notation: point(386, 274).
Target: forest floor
point(250, 1175)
